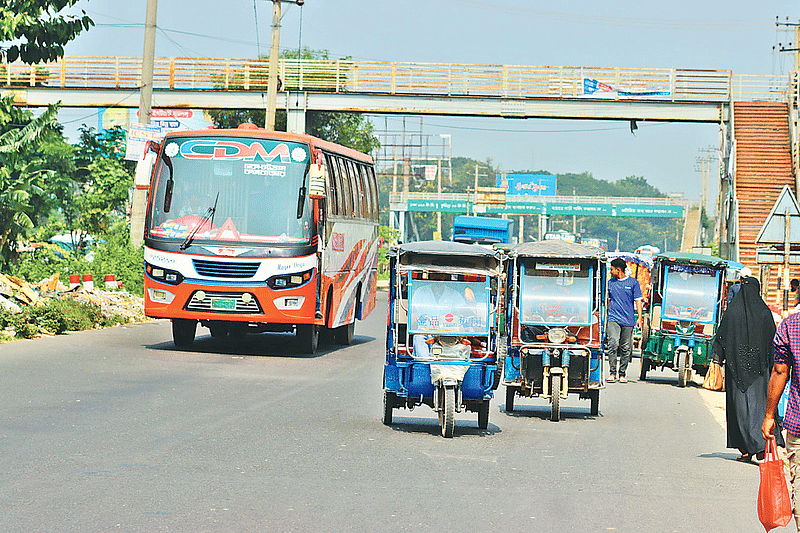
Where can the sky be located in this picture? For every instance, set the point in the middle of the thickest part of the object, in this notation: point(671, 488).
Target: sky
point(736, 35)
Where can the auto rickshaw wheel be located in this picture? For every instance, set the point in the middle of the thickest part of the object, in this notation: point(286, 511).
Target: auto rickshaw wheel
point(308, 337)
point(388, 406)
point(682, 372)
point(594, 398)
point(502, 350)
point(483, 415)
point(645, 366)
point(447, 413)
point(183, 331)
point(510, 393)
point(555, 397)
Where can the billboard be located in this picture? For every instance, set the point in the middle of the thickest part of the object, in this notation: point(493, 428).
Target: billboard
point(527, 184)
point(167, 119)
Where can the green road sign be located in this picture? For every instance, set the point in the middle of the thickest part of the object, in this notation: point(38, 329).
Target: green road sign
point(547, 208)
point(437, 206)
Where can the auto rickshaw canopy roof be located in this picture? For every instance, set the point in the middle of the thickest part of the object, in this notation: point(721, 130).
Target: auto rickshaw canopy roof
point(557, 249)
point(691, 258)
point(447, 256)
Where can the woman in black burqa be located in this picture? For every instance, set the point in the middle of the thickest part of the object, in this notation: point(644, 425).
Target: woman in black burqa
point(744, 345)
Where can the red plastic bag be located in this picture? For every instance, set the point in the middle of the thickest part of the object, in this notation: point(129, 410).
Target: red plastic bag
point(774, 505)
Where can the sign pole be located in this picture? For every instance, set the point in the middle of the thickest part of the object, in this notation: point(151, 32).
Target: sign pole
point(786, 252)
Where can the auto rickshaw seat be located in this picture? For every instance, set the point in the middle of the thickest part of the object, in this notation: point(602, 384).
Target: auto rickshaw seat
point(591, 333)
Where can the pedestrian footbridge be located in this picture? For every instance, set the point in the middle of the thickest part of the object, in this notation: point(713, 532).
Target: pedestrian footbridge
point(510, 91)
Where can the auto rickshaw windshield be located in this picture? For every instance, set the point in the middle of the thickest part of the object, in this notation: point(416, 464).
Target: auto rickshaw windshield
point(448, 307)
point(556, 294)
point(691, 293)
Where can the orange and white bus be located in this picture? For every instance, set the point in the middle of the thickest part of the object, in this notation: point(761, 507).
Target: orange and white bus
point(250, 230)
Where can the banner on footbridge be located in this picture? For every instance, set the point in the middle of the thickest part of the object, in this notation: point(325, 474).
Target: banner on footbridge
point(547, 208)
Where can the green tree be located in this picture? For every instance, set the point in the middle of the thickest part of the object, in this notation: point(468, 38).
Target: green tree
point(25, 172)
point(348, 129)
point(37, 30)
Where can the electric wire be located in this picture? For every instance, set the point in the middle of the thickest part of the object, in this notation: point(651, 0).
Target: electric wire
point(722, 24)
point(513, 130)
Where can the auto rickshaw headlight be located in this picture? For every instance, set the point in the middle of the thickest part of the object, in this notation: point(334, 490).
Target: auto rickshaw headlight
point(556, 335)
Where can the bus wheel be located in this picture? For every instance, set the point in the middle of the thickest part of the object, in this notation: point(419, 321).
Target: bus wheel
point(219, 330)
point(308, 338)
point(183, 332)
point(344, 334)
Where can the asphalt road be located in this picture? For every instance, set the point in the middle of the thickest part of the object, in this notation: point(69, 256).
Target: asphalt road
point(116, 430)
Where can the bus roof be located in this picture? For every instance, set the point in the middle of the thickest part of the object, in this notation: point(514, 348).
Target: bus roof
point(255, 131)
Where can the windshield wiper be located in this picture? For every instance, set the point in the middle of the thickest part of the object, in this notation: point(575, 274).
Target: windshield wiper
point(301, 197)
point(208, 216)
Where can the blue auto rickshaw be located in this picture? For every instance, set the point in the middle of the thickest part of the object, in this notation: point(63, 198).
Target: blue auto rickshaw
point(556, 323)
point(443, 329)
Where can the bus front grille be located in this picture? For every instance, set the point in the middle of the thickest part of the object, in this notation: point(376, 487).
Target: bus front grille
point(222, 302)
point(223, 269)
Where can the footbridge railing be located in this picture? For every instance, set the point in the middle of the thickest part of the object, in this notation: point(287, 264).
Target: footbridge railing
point(401, 78)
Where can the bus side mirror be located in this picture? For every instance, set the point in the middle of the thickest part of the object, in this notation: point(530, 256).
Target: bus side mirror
point(316, 182)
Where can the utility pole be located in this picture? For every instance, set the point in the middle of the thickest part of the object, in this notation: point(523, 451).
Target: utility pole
point(703, 165)
point(791, 47)
point(139, 200)
point(274, 50)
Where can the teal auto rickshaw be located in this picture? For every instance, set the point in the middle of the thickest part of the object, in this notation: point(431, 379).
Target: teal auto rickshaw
point(686, 305)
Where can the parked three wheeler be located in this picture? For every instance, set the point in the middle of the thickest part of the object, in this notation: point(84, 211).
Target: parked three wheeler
point(556, 320)
point(445, 305)
point(685, 310)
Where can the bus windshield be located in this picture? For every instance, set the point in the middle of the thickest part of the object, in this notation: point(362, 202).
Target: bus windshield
point(231, 189)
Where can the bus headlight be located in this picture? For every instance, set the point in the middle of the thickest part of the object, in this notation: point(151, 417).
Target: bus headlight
point(164, 275)
point(289, 281)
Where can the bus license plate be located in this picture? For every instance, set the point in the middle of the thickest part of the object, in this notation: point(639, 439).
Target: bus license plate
point(223, 303)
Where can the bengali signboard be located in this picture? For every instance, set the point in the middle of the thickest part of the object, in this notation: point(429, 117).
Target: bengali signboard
point(527, 184)
point(415, 205)
point(546, 208)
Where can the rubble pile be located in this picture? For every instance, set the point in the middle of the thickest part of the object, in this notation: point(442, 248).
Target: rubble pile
point(16, 293)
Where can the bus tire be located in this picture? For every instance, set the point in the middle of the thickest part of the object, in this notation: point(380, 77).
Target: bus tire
point(308, 338)
point(344, 334)
point(183, 331)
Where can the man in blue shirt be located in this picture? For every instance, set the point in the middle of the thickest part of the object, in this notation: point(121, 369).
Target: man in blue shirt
point(623, 293)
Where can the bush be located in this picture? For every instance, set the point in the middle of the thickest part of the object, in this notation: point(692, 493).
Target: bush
point(56, 317)
point(115, 256)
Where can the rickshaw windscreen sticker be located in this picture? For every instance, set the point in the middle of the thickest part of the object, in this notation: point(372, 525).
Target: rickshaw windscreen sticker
point(448, 308)
point(567, 267)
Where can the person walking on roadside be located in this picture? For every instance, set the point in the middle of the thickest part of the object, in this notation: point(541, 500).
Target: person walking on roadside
point(786, 356)
point(744, 273)
point(744, 344)
point(624, 293)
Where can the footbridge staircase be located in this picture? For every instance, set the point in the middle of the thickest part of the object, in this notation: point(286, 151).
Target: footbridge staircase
point(762, 160)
